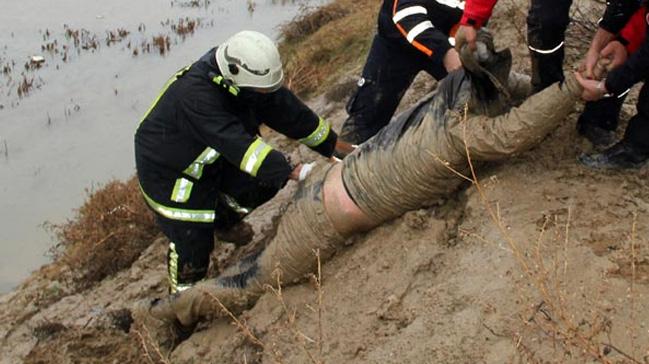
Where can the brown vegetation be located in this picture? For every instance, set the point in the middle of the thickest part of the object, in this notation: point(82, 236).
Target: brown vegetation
point(107, 234)
point(317, 47)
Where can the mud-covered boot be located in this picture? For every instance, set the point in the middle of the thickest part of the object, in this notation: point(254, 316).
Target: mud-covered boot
point(157, 330)
point(598, 137)
point(619, 156)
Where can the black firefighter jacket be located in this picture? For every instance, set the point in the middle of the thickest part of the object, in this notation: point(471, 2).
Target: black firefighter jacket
point(423, 24)
point(196, 127)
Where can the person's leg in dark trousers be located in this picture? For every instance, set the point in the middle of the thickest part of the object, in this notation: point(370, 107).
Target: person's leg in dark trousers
point(388, 72)
point(633, 150)
point(599, 120)
point(547, 22)
point(188, 256)
point(637, 132)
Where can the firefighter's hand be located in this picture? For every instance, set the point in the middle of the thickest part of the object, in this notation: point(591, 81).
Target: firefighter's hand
point(452, 60)
point(616, 52)
point(466, 34)
point(342, 149)
point(593, 89)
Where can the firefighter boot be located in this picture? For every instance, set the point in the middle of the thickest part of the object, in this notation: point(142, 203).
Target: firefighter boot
point(619, 156)
point(598, 137)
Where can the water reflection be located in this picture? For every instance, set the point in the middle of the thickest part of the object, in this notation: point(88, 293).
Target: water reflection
point(67, 121)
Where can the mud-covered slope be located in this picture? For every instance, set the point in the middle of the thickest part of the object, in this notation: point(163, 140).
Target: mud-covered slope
point(544, 261)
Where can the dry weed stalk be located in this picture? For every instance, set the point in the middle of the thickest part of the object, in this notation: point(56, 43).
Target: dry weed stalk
point(291, 315)
point(144, 341)
point(247, 332)
point(561, 326)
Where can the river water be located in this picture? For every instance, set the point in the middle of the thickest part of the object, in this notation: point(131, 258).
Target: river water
point(68, 125)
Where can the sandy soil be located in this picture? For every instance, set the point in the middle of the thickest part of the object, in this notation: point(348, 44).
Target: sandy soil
point(545, 262)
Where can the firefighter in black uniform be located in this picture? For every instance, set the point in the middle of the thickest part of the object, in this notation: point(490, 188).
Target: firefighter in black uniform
point(633, 150)
point(547, 22)
point(413, 35)
point(200, 161)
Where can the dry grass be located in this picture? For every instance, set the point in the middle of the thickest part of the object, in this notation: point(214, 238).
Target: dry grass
point(573, 324)
point(300, 340)
point(322, 44)
point(107, 234)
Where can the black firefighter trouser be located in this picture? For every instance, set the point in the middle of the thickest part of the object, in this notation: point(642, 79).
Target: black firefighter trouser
point(547, 22)
point(391, 66)
point(637, 132)
point(188, 256)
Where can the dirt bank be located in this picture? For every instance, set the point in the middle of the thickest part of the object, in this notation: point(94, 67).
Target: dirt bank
point(545, 261)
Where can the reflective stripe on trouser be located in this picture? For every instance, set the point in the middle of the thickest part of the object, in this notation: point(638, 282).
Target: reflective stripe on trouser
point(172, 267)
point(172, 213)
point(188, 255)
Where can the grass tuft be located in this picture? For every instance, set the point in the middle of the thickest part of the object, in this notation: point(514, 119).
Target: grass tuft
point(107, 234)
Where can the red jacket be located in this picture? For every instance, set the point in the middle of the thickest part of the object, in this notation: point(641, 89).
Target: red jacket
point(633, 33)
point(477, 12)
point(636, 68)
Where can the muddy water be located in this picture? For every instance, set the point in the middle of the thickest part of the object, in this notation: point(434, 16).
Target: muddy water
point(73, 126)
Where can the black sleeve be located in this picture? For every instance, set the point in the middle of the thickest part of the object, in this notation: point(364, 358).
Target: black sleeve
point(208, 121)
point(635, 69)
point(414, 23)
point(287, 114)
point(617, 14)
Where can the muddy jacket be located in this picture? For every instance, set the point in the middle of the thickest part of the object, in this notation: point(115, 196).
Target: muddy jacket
point(197, 124)
point(618, 12)
point(636, 68)
point(425, 24)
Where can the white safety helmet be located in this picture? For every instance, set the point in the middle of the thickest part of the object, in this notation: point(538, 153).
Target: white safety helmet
point(251, 59)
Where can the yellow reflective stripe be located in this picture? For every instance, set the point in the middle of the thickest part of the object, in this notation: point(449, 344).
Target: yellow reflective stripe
point(318, 136)
point(254, 157)
point(179, 214)
point(208, 156)
point(172, 266)
point(182, 190)
point(164, 89)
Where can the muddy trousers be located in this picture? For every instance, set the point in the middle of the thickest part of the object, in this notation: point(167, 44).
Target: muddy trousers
point(390, 68)
point(188, 255)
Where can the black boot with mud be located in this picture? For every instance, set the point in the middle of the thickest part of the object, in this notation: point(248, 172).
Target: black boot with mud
point(620, 156)
point(599, 137)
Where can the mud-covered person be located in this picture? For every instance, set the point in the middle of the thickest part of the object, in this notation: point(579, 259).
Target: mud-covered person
point(547, 21)
point(633, 150)
point(412, 36)
point(200, 160)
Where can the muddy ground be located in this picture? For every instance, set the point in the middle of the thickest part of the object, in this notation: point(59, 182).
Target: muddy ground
point(544, 262)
